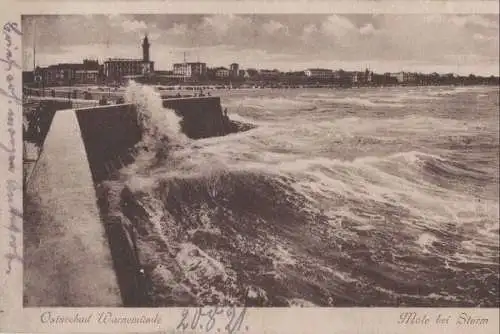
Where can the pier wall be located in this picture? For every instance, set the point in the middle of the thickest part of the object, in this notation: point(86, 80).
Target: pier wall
point(93, 258)
point(109, 133)
point(202, 117)
point(67, 260)
point(49, 108)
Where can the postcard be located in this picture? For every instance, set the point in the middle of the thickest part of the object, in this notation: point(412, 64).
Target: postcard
point(250, 167)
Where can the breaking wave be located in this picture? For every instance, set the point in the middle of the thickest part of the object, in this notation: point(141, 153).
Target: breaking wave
point(157, 122)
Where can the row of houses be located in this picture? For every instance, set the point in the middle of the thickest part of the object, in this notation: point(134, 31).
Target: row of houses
point(119, 70)
point(91, 72)
point(87, 72)
point(195, 71)
point(200, 70)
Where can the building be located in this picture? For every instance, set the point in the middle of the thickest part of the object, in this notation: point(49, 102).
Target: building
point(359, 78)
point(252, 73)
point(404, 77)
point(145, 49)
point(28, 77)
point(243, 74)
point(88, 73)
point(318, 73)
point(182, 69)
point(234, 70)
point(198, 69)
point(87, 76)
point(221, 72)
point(118, 69)
point(269, 74)
point(195, 69)
point(164, 72)
point(68, 74)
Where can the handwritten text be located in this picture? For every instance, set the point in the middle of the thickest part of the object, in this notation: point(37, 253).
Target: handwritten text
point(13, 187)
point(211, 319)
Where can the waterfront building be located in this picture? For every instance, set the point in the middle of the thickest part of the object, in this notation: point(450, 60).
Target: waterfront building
point(448, 76)
point(68, 74)
point(404, 77)
point(234, 70)
point(365, 77)
point(198, 69)
point(269, 74)
point(28, 77)
point(368, 76)
point(194, 69)
point(221, 72)
point(318, 73)
point(182, 69)
point(356, 77)
point(145, 49)
point(252, 72)
point(342, 78)
point(165, 73)
point(88, 73)
point(243, 74)
point(118, 69)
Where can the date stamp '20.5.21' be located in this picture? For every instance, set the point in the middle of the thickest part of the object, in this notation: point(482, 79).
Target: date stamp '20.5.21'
point(205, 319)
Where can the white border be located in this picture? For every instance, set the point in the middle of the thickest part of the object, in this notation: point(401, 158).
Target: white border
point(311, 320)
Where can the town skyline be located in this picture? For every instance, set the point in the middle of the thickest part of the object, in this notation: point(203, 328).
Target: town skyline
point(460, 44)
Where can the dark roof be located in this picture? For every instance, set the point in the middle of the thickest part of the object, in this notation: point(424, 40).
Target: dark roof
point(320, 69)
point(65, 66)
point(190, 63)
point(73, 66)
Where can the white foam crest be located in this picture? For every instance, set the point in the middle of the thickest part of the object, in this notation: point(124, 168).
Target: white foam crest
point(364, 180)
point(409, 125)
point(275, 103)
point(400, 97)
point(425, 240)
point(444, 91)
point(155, 120)
point(239, 118)
point(364, 102)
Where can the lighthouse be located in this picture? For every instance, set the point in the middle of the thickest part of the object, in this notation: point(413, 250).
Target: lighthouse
point(145, 49)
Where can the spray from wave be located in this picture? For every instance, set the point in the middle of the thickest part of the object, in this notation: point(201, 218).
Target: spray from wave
point(157, 122)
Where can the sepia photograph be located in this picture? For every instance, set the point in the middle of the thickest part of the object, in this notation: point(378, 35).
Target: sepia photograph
point(261, 160)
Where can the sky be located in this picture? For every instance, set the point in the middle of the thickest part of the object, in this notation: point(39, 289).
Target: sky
point(444, 43)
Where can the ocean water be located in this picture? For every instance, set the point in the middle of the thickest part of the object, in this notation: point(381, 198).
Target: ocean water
point(358, 197)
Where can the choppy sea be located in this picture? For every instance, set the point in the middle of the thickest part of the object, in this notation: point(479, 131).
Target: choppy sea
point(356, 197)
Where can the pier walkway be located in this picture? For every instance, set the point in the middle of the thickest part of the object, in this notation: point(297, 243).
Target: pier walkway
point(67, 257)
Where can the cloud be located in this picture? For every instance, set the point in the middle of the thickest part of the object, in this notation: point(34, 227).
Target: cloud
point(309, 30)
point(473, 20)
point(483, 38)
point(179, 29)
point(133, 25)
point(274, 27)
point(267, 40)
point(225, 26)
point(367, 29)
point(338, 26)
